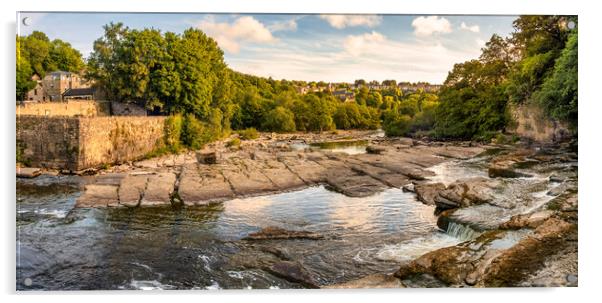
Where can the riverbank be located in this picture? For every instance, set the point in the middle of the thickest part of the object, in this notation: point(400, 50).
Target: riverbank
point(308, 215)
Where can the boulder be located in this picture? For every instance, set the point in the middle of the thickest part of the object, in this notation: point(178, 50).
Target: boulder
point(427, 192)
point(375, 149)
point(505, 166)
point(207, 157)
point(468, 192)
point(272, 232)
point(532, 220)
point(503, 171)
point(28, 172)
point(293, 272)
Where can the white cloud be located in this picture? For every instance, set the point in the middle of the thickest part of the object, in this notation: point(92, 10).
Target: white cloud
point(480, 42)
point(230, 35)
point(342, 21)
point(473, 28)
point(426, 26)
point(356, 45)
point(370, 56)
point(290, 25)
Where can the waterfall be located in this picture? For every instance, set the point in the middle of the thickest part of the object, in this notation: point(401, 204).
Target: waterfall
point(461, 232)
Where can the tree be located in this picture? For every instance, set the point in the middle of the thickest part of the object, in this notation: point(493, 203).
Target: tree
point(36, 54)
point(558, 94)
point(279, 120)
point(23, 80)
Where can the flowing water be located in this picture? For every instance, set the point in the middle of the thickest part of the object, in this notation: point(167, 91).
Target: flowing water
point(59, 247)
point(202, 247)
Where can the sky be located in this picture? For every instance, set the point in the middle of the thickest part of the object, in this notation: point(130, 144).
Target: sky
point(331, 48)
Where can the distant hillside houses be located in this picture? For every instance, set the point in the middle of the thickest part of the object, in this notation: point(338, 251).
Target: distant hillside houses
point(413, 87)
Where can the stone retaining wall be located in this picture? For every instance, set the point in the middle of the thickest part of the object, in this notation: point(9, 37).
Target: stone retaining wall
point(88, 108)
point(77, 143)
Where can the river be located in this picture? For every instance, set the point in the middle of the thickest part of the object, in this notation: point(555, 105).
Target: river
point(64, 248)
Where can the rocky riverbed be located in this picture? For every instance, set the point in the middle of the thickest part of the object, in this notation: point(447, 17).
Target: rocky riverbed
point(497, 215)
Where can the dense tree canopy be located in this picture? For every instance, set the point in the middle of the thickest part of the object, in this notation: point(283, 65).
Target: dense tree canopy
point(535, 65)
point(36, 54)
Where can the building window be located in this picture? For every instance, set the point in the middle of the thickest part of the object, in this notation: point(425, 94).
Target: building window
point(35, 91)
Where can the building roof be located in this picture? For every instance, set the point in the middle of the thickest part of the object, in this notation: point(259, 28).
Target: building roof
point(87, 91)
point(59, 72)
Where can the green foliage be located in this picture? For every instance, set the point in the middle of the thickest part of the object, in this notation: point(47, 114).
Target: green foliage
point(173, 132)
point(248, 134)
point(234, 143)
point(395, 124)
point(558, 94)
point(280, 120)
point(192, 132)
point(36, 54)
point(23, 80)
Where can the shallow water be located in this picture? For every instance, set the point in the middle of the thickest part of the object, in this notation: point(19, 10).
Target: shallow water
point(348, 147)
point(59, 247)
point(202, 247)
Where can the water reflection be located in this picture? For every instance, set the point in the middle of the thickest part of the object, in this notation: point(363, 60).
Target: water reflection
point(351, 147)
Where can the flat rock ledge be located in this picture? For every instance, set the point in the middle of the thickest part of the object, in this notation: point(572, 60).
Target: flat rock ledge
point(261, 169)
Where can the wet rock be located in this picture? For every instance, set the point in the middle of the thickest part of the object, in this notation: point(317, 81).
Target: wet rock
point(371, 281)
point(28, 172)
point(158, 190)
point(383, 175)
point(200, 185)
point(532, 220)
point(375, 149)
point(529, 255)
point(272, 233)
point(354, 185)
point(505, 166)
point(96, 195)
point(293, 272)
point(560, 189)
point(281, 176)
point(557, 179)
point(498, 170)
point(427, 192)
point(466, 193)
point(409, 188)
point(131, 190)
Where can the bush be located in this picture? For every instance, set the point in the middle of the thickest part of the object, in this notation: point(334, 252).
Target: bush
point(173, 132)
point(279, 120)
point(233, 143)
point(192, 132)
point(396, 125)
point(248, 134)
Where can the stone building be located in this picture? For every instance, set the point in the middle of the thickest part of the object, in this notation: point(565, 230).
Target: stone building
point(54, 85)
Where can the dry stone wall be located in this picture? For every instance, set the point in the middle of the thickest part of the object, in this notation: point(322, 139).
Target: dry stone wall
point(77, 143)
point(89, 108)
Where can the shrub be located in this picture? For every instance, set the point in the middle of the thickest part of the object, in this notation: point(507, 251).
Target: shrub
point(396, 125)
point(233, 143)
point(279, 120)
point(192, 132)
point(173, 132)
point(248, 134)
